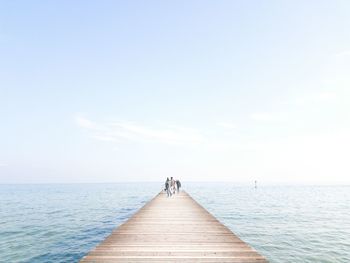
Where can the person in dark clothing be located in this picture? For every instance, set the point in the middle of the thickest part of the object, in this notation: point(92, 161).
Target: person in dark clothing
point(167, 186)
point(178, 185)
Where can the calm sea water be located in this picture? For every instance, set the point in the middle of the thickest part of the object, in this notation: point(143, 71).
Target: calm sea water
point(61, 223)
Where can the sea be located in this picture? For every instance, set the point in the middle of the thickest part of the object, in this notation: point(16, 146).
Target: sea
point(284, 223)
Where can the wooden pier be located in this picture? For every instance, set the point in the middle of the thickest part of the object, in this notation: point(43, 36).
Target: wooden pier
point(175, 229)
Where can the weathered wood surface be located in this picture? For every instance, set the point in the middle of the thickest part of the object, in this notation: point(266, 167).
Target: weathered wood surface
point(175, 229)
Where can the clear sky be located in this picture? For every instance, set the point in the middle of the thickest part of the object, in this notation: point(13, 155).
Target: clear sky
point(108, 91)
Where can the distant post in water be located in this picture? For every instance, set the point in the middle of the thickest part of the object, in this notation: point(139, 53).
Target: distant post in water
point(255, 184)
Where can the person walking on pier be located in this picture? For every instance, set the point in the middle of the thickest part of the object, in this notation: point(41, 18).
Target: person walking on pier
point(172, 185)
point(168, 186)
point(178, 185)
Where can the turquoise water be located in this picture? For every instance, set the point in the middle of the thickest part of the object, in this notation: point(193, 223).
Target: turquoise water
point(61, 223)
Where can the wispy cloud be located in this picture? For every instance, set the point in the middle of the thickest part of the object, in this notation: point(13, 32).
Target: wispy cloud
point(85, 123)
point(320, 97)
point(265, 117)
point(227, 125)
point(122, 131)
point(343, 53)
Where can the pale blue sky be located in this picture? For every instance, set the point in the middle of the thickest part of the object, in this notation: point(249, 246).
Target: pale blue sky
point(104, 91)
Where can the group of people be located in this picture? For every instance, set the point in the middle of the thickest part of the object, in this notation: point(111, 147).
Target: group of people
point(172, 186)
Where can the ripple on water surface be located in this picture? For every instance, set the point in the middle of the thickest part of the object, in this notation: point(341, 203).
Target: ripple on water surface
point(61, 223)
point(285, 223)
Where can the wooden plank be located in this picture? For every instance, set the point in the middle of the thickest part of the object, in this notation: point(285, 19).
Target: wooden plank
point(175, 229)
